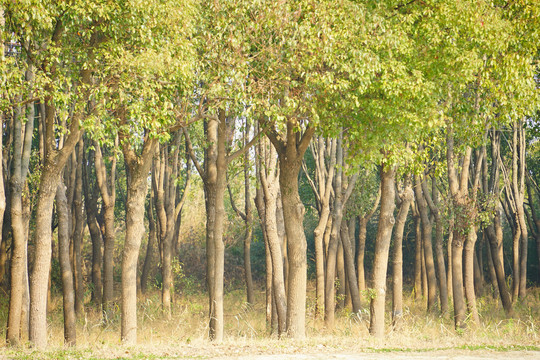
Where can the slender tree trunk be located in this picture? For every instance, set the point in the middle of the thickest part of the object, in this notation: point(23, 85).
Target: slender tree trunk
point(138, 168)
point(457, 280)
point(250, 296)
point(78, 231)
point(68, 289)
point(360, 252)
point(417, 255)
point(18, 251)
point(428, 250)
point(382, 247)
point(90, 204)
point(324, 174)
point(478, 269)
point(341, 291)
point(407, 197)
point(290, 152)
point(439, 237)
point(42, 262)
point(449, 280)
point(350, 271)
point(152, 239)
point(469, 274)
point(108, 194)
point(269, 175)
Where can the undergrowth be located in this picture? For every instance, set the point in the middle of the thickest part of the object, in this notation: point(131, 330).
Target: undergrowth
point(184, 334)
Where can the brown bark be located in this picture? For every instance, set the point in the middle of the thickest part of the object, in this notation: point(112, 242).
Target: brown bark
point(428, 249)
point(439, 236)
point(138, 168)
point(152, 239)
point(360, 249)
point(494, 229)
point(269, 175)
point(20, 161)
point(291, 149)
point(250, 296)
point(55, 161)
point(259, 204)
point(78, 229)
point(90, 204)
point(382, 247)
point(406, 197)
point(322, 187)
point(353, 295)
point(417, 253)
point(106, 182)
point(468, 277)
point(343, 188)
point(68, 289)
point(464, 212)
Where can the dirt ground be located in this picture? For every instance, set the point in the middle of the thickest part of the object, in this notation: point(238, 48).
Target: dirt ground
point(440, 355)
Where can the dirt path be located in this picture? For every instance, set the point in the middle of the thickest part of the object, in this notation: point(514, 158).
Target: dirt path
point(440, 355)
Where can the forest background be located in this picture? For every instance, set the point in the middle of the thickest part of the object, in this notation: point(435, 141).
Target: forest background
point(335, 156)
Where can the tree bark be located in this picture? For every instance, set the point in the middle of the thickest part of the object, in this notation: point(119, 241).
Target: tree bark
point(269, 175)
point(382, 247)
point(291, 151)
point(78, 230)
point(428, 249)
point(360, 249)
point(324, 175)
point(54, 162)
point(106, 183)
point(90, 204)
point(20, 163)
point(138, 168)
point(417, 253)
point(152, 239)
point(68, 289)
point(406, 196)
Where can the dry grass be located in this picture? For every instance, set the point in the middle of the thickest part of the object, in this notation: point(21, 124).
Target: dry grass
point(185, 334)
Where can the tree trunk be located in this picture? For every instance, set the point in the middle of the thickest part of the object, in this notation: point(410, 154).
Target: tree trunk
point(108, 196)
point(417, 254)
point(21, 155)
point(270, 186)
point(78, 231)
point(450, 240)
point(469, 274)
point(290, 152)
point(90, 204)
point(68, 290)
point(407, 197)
point(152, 237)
point(42, 262)
point(382, 247)
point(350, 271)
point(434, 204)
point(138, 168)
point(324, 175)
point(428, 250)
point(250, 296)
point(259, 205)
point(360, 253)
point(457, 280)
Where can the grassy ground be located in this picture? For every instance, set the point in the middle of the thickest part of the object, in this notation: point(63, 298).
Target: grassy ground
point(185, 334)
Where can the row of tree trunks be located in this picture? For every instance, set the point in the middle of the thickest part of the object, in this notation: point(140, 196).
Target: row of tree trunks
point(22, 143)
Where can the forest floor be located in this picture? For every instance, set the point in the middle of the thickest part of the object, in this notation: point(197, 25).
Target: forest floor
point(184, 335)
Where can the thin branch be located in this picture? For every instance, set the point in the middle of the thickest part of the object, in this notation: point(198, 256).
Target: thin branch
point(192, 155)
